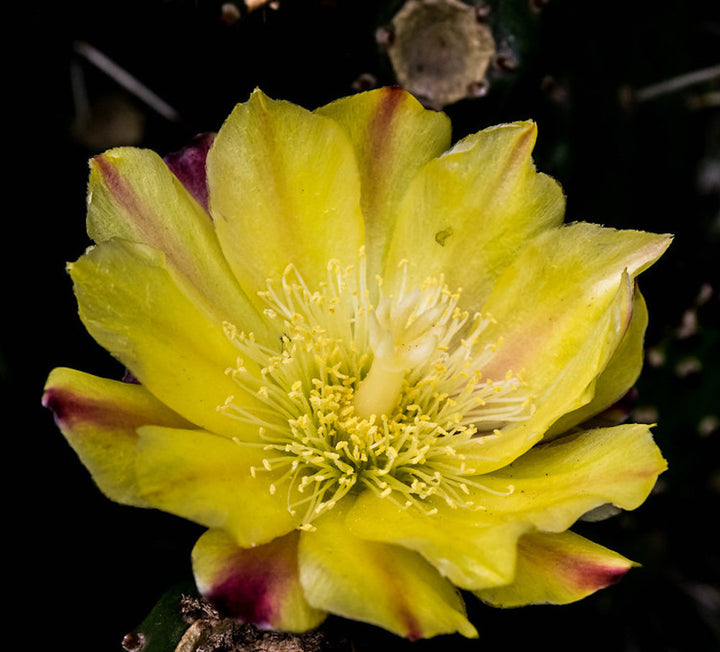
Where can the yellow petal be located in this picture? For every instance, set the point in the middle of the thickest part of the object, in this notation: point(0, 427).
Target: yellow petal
point(377, 583)
point(618, 376)
point(470, 549)
point(254, 585)
point(99, 418)
point(570, 387)
point(554, 484)
point(133, 304)
point(557, 569)
point(284, 188)
point(393, 136)
point(555, 291)
point(214, 481)
point(561, 310)
point(467, 213)
point(133, 195)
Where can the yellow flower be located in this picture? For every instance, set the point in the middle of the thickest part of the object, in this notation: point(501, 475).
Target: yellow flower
point(364, 359)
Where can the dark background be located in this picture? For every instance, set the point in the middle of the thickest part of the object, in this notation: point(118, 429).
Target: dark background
point(83, 571)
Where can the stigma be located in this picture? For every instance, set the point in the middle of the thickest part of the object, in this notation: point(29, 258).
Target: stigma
point(369, 390)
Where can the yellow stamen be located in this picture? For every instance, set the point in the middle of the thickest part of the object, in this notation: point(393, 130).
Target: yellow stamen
point(386, 396)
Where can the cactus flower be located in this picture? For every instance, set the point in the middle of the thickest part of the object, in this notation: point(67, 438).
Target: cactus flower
point(365, 361)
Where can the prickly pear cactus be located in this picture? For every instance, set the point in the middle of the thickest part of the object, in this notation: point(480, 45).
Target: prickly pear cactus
point(445, 51)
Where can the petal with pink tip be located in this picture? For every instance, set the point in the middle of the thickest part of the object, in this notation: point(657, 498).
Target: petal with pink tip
point(382, 584)
point(557, 569)
point(99, 418)
point(257, 585)
point(133, 195)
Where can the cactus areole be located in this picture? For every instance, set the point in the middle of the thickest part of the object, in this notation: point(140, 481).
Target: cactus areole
point(440, 50)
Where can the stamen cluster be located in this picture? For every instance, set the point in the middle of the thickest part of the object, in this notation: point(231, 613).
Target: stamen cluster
point(387, 396)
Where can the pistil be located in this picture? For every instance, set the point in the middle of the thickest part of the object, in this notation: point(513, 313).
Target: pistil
point(378, 393)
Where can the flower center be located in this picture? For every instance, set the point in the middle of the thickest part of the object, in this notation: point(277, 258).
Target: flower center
point(387, 396)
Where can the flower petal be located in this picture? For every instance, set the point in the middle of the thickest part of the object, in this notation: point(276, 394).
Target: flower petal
point(133, 195)
point(393, 136)
point(133, 304)
point(378, 583)
point(618, 376)
point(284, 188)
point(555, 291)
point(99, 418)
point(188, 165)
point(561, 310)
point(572, 387)
point(467, 213)
point(254, 585)
point(557, 569)
point(554, 484)
point(211, 480)
point(470, 549)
